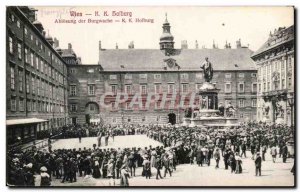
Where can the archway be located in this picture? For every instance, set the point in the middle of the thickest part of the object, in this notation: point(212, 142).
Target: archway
point(91, 112)
point(172, 118)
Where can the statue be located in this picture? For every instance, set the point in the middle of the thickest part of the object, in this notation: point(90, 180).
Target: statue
point(230, 110)
point(207, 70)
point(279, 111)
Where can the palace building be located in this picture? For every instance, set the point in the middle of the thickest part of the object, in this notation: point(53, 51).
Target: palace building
point(275, 62)
point(36, 84)
point(166, 73)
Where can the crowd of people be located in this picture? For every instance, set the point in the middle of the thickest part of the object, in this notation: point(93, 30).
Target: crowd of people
point(181, 145)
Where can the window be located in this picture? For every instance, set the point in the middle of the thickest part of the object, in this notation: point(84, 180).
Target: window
point(254, 101)
point(157, 88)
point(18, 24)
point(42, 66)
point(73, 108)
point(227, 87)
point(92, 107)
point(184, 88)
point(228, 75)
point(199, 75)
point(21, 105)
point(19, 51)
point(114, 89)
point(91, 89)
point(112, 77)
point(184, 76)
point(283, 83)
point(241, 75)
point(253, 75)
point(157, 105)
point(32, 85)
point(269, 87)
point(33, 106)
point(91, 71)
point(10, 44)
point(143, 76)
point(128, 76)
point(198, 86)
point(26, 55)
point(157, 76)
point(28, 105)
point(73, 90)
point(31, 37)
point(20, 80)
point(12, 17)
point(170, 88)
point(241, 116)
point(143, 89)
point(38, 86)
point(12, 78)
point(31, 59)
point(37, 62)
point(25, 31)
point(254, 87)
point(27, 84)
point(72, 71)
point(241, 87)
point(128, 106)
point(128, 89)
point(13, 104)
point(242, 103)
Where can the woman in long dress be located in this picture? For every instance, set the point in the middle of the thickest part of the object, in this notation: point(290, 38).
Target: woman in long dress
point(96, 168)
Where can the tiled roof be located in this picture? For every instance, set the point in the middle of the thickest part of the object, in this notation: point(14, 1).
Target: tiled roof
point(282, 36)
point(187, 59)
point(68, 53)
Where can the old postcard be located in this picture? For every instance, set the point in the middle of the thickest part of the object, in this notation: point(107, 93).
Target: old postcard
point(157, 96)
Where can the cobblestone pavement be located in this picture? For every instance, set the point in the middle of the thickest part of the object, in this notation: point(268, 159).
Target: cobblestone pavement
point(273, 174)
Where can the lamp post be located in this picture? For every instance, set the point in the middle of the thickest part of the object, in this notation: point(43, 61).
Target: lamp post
point(290, 98)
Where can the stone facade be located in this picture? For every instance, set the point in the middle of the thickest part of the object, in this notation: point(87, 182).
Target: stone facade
point(36, 83)
point(275, 61)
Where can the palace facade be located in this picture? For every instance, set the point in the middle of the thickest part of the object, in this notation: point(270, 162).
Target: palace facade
point(276, 69)
point(167, 74)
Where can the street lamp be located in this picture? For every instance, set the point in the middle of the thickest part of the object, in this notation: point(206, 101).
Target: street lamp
point(290, 99)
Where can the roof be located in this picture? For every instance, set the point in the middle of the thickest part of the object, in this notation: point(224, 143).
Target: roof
point(68, 53)
point(24, 121)
point(281, 36)
point(187, 59)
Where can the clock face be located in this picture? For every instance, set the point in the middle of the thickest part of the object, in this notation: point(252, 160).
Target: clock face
point(170, 62)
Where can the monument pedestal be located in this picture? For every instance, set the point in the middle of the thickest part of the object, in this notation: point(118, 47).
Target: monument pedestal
point(208, 111)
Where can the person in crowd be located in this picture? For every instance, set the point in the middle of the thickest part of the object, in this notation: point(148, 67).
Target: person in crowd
point(217, 157)
point(273, 153)
point(284, 153)
point(158, 166)
point(45, 177)
point(258, 162)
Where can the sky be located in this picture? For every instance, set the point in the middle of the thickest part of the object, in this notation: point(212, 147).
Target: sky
point(205, 24)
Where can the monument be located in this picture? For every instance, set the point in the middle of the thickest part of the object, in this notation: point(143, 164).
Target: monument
point(209, 114)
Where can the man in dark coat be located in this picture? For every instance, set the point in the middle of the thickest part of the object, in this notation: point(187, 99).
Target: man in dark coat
point(226, 157)
point(284, 153)
point(258, 164)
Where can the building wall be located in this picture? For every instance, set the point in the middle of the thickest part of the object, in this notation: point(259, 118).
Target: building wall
point(276, 79)
point(44, 93)
point(104, 80)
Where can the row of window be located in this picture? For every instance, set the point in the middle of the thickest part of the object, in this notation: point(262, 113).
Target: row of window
point(35, 106)
point(34, 85)
point(158, 88)
point(182, 76)
point(38, 43)
point(128, 105)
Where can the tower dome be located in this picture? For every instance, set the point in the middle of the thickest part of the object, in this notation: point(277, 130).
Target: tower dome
point(166, 39)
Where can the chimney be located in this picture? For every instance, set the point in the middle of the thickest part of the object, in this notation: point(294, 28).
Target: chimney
point(56, 42)
point(184, 44)
point(131, 45)
point(100, 47)
point(238, 44)
point(44, 33)
point(117, 47)
point(69, 46)
point(196, 45)
point(79, 60)
point(214, 45)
